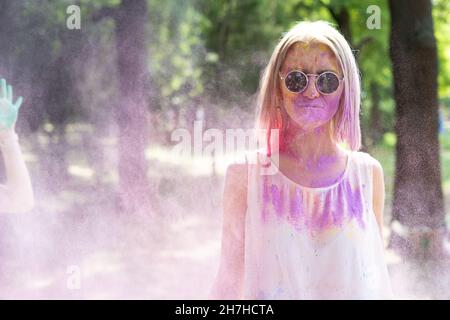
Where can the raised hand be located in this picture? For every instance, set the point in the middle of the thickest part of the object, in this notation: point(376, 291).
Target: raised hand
point(8, 109)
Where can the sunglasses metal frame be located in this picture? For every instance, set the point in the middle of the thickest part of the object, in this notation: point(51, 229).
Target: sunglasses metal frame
point(307, 75)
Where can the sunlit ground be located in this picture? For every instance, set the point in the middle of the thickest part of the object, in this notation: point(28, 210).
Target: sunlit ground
point(73, 245)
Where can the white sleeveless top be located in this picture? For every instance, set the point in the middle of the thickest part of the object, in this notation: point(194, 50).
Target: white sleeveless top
point(313, 243)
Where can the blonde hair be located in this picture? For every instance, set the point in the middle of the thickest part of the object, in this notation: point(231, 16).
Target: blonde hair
point(345, 125)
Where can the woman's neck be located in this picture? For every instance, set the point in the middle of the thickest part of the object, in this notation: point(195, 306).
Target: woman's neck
point(310, 147)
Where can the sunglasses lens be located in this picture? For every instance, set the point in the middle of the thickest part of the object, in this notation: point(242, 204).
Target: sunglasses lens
point(296, 81)
point(327, 82)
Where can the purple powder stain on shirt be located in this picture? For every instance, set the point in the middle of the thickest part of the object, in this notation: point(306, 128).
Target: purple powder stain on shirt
point(296, 207)
point(261, 295)
point(277, 293)
point(323, 220)
point(316, 214)
point(342, 202)
point(277, 199)
point(354, 200)
point(338, 215)
point(272, 196)
point(266, 199)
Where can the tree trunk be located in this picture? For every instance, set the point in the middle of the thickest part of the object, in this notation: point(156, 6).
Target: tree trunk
point(132, 114)
point(418, 198)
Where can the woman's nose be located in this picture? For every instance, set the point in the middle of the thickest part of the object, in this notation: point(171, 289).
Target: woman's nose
point(311, 90)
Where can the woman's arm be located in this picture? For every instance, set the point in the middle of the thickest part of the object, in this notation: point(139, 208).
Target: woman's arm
point(378, 194)
point(17, 194)
point(229, 280)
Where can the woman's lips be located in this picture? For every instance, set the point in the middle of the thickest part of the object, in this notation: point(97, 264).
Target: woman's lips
point(303, 105)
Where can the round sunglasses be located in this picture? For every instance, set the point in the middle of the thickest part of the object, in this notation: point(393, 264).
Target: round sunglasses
point(327, 82)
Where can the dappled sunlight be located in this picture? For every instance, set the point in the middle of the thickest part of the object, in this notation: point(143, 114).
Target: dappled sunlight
point(80, 171)
point(194, 165)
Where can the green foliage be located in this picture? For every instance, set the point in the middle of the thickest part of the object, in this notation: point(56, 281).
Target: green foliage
point(175, 51)
point(241, 35)
point(216, 49)
point(441, 15)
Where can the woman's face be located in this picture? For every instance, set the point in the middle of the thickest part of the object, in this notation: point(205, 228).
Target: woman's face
point(310, 109)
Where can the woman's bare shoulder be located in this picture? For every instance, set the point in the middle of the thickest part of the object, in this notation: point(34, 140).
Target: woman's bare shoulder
point(236, 176)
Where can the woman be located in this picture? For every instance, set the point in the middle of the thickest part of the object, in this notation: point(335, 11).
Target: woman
point(312, 230)
point(17, 194)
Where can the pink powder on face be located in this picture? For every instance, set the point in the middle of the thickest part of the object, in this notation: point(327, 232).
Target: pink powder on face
point(310, 108)
point(308, 112)
point(300, 101)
